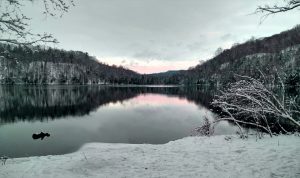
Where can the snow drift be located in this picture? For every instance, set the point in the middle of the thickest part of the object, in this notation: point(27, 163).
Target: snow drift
point(218, 156)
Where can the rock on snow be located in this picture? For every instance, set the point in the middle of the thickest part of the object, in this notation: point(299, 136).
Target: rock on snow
point(189, 157)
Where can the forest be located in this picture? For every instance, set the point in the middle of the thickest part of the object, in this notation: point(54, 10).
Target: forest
point(278, 54)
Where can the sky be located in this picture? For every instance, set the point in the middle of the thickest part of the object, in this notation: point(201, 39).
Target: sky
point(150, 36)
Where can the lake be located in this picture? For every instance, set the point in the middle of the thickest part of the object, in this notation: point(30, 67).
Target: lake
point(75, 115)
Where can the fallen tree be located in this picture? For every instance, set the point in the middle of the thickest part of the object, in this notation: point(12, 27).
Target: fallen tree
point(253, 103)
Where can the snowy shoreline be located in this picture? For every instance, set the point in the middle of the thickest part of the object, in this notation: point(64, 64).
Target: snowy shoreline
point(188, 157)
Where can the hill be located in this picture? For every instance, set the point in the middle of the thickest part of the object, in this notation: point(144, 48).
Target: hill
point(279, 53)
point(40, 65)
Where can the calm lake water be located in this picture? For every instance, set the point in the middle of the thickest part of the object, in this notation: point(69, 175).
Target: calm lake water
point(75, 115)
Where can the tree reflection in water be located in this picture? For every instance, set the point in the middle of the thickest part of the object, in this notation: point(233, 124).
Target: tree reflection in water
point(31, 103)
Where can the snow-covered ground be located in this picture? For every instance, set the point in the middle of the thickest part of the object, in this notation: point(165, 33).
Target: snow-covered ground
point(188, 157)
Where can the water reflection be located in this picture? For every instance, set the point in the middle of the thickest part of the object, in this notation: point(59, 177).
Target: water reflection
point(81, 114)
point(43, 103)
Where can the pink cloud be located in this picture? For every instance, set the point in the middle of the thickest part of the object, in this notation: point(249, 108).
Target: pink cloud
point(160, 68)
point(151, 69)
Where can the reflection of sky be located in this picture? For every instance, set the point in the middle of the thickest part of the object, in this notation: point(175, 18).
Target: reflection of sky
point(148, 118)
point(152, 99)
point(156, 99)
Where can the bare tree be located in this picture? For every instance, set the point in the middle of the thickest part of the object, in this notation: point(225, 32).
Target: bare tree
point(14, 24)
point(250, 102)
point(287, 5)
point(218, 51)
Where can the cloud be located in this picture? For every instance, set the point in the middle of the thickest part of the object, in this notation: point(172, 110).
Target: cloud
point(226, 37)
point(147, 54)
point(133, 63)
point(196, 46)
point(158, 30)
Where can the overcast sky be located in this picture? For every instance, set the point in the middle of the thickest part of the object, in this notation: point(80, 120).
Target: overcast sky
point(157, 35)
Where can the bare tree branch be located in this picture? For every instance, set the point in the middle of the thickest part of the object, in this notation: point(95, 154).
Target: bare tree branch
point(14, 25)
point(267, 10)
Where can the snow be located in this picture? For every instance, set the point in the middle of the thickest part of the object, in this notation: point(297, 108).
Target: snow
point(217, 156)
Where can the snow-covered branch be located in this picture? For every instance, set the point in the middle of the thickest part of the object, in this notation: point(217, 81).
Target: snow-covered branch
point(250, 102)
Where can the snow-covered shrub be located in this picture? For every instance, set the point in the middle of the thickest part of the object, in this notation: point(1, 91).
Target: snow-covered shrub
point(205, 129)
point(251, 102)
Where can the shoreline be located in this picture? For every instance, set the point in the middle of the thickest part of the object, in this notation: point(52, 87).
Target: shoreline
point(216, 156)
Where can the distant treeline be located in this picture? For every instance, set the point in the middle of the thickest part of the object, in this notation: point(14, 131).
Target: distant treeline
point(271, 56)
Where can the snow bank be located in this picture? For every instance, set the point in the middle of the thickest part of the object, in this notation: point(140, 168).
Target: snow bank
point(188, 157)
